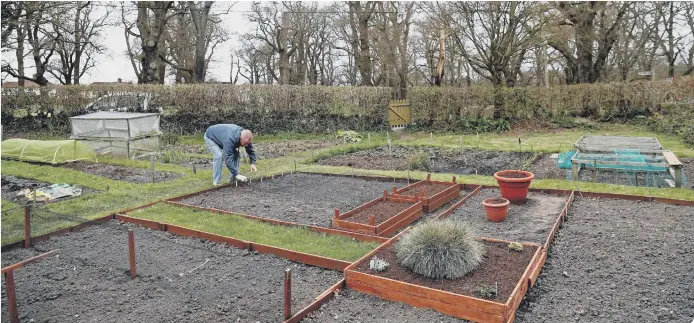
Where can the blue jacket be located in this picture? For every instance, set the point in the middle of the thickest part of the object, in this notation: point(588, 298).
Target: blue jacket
point(228, 138)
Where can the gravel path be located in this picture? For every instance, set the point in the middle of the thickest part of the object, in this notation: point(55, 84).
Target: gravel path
point(530, 222)
point(618, 261)
point(303, 198)
point(179, 280)
point(355, 307)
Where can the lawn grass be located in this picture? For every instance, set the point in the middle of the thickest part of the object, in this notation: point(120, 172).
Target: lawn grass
point(196, 139)
point(292, 238)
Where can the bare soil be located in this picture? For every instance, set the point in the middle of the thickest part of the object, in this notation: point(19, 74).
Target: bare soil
point(304, 198)
point(12, 185)
point(617, 261)
point(530, 222)
point(355, 307)
point(500, 265)
point(120, 173)
point(382, 211)
point(456, 161)
point(179, 280)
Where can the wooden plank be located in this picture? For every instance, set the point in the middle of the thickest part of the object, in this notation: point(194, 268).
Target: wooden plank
point(29, 261)
point(317, 303)
point(417, 207)
point(400, 224)
point(305, 258)
point(537, 269)
point(145, 223)
point(346, 225)
point(456, 310)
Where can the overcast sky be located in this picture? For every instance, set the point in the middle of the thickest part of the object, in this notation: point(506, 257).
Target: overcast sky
point(114, 64)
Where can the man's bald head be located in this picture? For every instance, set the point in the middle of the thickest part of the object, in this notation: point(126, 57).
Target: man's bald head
point(246, 137)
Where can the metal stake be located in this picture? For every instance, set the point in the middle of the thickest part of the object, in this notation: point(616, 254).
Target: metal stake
point(27, 226)
point(151, 163)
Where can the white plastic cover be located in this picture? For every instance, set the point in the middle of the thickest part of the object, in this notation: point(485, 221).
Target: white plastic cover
point(121, 125)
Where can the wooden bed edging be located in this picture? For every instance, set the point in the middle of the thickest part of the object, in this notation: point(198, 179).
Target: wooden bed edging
point(435, 201)
point(462, 306)
point(559, 221)
point(317, 303)
point(354, 235)
point(28, 261)
point(385, 228)
point(309, 259)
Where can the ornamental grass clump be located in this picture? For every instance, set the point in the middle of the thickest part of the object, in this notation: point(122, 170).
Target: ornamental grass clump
point(440, 249)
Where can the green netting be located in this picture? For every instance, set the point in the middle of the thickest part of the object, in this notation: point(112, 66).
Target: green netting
point(47, 151)
point(564, 159)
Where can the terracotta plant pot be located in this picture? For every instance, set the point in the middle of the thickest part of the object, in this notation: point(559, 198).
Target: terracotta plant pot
point(514, 184)
point(497, 208)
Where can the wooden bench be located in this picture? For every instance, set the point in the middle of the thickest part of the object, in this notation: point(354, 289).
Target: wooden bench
point(675, 167)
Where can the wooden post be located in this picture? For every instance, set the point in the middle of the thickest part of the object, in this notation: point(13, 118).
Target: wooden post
point(194, 170)
point(453, 181)
point(27, 226)
point(151, 164)
point(428, 178)
point(385, 195)
point(11, 297)
point(574, 171)
point(369, 134)
point(131, 249)
point(395, 189)
point(337, 213)
point(461, 142)
point(431, 139)
point(287, 293)
point(372, 220)
point(677, 170)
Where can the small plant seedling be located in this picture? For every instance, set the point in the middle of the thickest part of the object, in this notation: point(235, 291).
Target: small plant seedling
point(516, 246)
point(378, 264)
point(488, 291)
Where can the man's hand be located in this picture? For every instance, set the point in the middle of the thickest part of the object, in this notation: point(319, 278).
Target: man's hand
point(241, 178)
point(253, 168)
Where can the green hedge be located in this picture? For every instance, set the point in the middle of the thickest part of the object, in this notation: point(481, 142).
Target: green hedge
point(274, 108)
point(443, 107)
point(192, 108)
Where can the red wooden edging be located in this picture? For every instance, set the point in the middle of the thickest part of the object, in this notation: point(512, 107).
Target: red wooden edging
point(28, 261)
point(318, 261)
point(345, 224)
point(463, 306)
point(48, 235)
point(316, 304)
point(183, 231)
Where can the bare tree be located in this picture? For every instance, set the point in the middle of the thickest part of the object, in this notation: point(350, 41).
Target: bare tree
point(77, 42)
point(688, 16)
point(359, 16)
point(151, 21)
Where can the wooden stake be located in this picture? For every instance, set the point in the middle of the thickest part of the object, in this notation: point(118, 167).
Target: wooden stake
point(287, 293)
point(11, 297)
point(461, 142)
point(372, 220)
point(395, 189)
point(385, 195)
point(369, 134)
point(337, 213)
point(194, 170)
point(131, 249)
point(27, 226)
point(151, 163)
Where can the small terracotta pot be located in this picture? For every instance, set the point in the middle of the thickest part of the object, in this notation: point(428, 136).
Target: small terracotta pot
point(514, 184)
point(496, 212)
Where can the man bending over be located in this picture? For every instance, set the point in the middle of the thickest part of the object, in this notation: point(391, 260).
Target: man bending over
point(223, 141)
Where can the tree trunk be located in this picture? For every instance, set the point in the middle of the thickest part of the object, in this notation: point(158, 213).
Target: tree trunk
point(20, 56)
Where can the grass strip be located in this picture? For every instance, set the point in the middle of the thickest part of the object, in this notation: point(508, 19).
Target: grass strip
point(292, 238)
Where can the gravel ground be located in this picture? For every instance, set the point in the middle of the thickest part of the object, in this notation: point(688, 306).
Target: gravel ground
point(618, 261)
point(530, 222)
point(179, 280)
point(303, 198)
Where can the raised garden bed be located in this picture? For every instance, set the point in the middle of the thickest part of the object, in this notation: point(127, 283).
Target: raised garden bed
point(512, 271)
point(308, 199)
point(433, 194)
point(380, 217)
point(617, 261)
point(178, 279)
point(121, 173)
point(531, 222)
